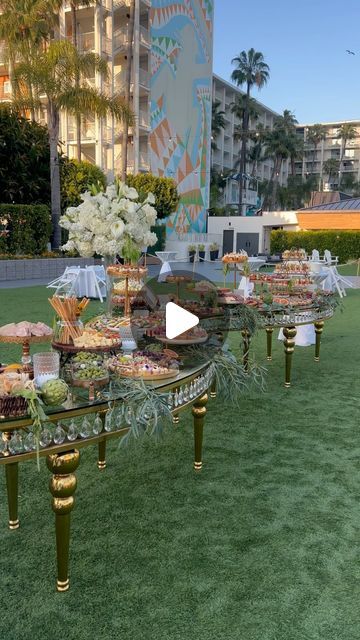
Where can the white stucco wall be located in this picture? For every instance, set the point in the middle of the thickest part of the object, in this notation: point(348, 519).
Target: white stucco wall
point(262, 225)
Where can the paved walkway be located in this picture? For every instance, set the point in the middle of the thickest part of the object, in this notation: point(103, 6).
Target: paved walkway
point(209, 270)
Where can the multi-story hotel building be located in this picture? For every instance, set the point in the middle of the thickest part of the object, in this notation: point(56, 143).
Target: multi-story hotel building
point(227, 154)
point(170, 94)
point(329, 148)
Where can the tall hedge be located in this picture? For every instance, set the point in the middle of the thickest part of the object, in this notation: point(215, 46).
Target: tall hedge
point(24, 159)
point(345, 244)
point(28, 227)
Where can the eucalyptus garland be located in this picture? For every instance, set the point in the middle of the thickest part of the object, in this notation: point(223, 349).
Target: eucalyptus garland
point(144, 409)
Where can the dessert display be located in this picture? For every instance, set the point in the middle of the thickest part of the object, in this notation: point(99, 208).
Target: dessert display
point(127, 282)
point(294, 254)
point(147, 365)
point(293, 266)
point(127, 271)
point(235, 257)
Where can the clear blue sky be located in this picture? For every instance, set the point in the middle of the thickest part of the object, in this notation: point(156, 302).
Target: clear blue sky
point(304, 43)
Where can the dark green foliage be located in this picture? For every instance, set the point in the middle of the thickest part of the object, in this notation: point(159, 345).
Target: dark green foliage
point(160, 231)
point(24, 160)
point(345, 244)
point(28, 226)
point(77, 177)
point(164, 190)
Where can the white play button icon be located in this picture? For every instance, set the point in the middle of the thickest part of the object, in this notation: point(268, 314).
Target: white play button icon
point(178, 320)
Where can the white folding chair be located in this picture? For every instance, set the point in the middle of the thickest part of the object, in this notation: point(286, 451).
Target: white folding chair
point(315, 255)
point(95, 276)
point(67, 281)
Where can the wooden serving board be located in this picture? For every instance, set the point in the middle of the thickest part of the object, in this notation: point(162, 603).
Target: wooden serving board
point(180, 341)
point(70, 348)
point(141, 376)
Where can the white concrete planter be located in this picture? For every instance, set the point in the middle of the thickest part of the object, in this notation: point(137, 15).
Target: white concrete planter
point(38, 268)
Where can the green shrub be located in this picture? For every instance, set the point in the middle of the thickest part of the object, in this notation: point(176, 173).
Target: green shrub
point(345, 244)
point(24, 159)
point(77, 177)
point(160, 231)
point(164, 190)
point(28, 226)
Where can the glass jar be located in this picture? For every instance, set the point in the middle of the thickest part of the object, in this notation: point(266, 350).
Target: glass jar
point(46, 367)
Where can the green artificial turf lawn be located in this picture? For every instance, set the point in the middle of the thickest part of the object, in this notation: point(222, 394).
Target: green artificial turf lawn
point(263, 544)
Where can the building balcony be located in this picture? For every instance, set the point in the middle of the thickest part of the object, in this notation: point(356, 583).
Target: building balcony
point(5, 91)
point(120, 80)
point(144, 118)
point(121, 38)
point(88, 131)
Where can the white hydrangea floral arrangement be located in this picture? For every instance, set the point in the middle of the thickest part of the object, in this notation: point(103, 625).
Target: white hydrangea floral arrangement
point(107, 222)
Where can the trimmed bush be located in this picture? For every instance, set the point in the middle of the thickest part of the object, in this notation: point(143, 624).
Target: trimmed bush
point(345, 244)
point(28, 226)
point(77, 177)
point(160, 231)
point(164, 190)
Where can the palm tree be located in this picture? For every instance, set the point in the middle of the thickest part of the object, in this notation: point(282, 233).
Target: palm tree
point(331, 167)
point(346, 132)
point(315, 135)
point(287, 123)
point(127, 95)
point(255, 153)
point(251, 69)
point(217, 122)
point(74, 5)
point(52, 73)
point(277, 147)
point(25, 25)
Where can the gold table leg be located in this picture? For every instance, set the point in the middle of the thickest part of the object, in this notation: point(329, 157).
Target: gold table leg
point(12, 475)
point(176, 418)
point(269, 337)
point(289, 345)
point(102, 454)
point(62, 487)
point(246, 348)
point(199, 413)
point(319, 326)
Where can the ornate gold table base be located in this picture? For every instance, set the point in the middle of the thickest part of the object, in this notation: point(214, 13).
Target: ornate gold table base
point(62, 487)
point(199, 413)
point(246, 339)
point(319, 327)
point(289, 346)
point(63, 465)
point(269, 337)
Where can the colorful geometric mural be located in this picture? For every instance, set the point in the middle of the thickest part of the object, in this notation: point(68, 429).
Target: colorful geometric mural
point(181, 82)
